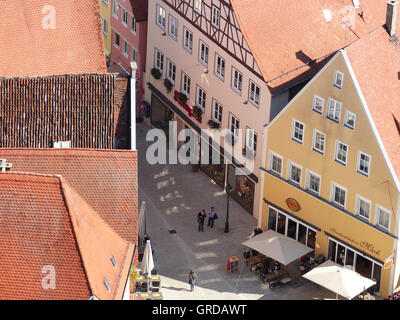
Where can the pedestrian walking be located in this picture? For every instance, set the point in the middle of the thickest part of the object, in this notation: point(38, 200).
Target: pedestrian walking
point(192, 279)
point(201, 216)
point(212, 217)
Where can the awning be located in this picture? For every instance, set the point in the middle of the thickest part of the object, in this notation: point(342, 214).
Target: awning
point(338, 279)
point(277, 246)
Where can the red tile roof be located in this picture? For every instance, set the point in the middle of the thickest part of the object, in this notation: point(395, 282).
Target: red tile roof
point(30, 48)
point(45, 223)
point(106, 179)
point(375, 60)
point(285, 35)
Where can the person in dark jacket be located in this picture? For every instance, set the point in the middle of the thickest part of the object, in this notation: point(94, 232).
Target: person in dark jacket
point(192, 279)
point(201, 216)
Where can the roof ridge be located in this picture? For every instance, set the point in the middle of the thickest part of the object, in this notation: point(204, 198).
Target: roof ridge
point(70, 149)
point(60, 75)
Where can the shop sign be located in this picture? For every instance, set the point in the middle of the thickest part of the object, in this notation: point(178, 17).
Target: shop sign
point(293, 204)
point(388, 263)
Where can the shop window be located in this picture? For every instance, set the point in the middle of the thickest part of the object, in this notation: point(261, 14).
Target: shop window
point(215, 168)
point(242, 189)
point(364, 266)
point(292, 228)
point(302, 234)
point(281, 227)
point(341, 255)
point(311, 239)
point(272, 219)
point(376, 276)
point(332, 250)
point(350, 258)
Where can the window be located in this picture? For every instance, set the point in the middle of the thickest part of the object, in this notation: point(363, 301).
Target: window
point(251, 139)
point(341, 152)
point(171, 71)
point(159, 60)
point(185, 84)
point(217, 112)
point(105, 27)
point(334, 109)
point(215, 14)
point(364, 163)
point(338, 194)
point(125, 48)
point(236, 81)
point(116, 40)
point(294, 173)
point(219, 67)
point(105, 2)
point(115, 9)
point(173, 27)
point(234, 125)
point(363, 207)
point(197, 6)
point(254, 93)
point(133, 24)
point(313, 182)
point(161, 17)
point(275, 163)
point(298, 131)
point(350, 119)
point(319, 141)
point(383, 217)
point(338, 82)
point(133, 54)
point(124, 17)
point(318, 104)
point(203, 53)
point(201, 98)
point(187, 40)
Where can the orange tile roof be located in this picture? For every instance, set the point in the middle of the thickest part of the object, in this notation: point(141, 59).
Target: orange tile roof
point(44, 222)
point(375, 60)
point(106, 179)
point(30, 48)
point(285, 35)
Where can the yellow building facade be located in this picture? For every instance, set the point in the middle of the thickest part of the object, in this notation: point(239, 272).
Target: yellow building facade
point(326, 180)
point(105, 12)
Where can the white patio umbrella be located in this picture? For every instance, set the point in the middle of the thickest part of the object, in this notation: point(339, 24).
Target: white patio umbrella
point(278, 246)
point(338, 279)
point(147, 261)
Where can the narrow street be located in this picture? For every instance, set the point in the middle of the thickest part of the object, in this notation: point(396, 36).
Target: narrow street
point(174, 195)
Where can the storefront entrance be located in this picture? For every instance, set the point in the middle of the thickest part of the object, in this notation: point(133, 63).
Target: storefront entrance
point(242, 188)
point(215, 171)
point(345, 256)
point(160, 115)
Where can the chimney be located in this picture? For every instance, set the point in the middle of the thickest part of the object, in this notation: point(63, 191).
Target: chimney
point(391, 16)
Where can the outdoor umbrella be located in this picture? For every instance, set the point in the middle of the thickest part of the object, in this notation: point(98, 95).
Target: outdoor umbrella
point(277, 246)
point(147, 261)
point(338, 279)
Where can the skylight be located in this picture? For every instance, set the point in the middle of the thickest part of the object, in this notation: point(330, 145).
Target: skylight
point(113, 261)
point(107, 284)
point(327, 14)
point(356, 3)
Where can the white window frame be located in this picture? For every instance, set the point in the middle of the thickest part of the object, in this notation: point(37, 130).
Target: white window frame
point(217, 109)
point(315, 140)
point(201, 98)
point(377, 215)
point(358, 206)
point(186, 82)
point(203, 53)
point(114, 9)
point(337, 152)
point(187, 41)
point(237, 82)
point(215, 16)
point(134, 53)
point(197, 6)
point(125, 14)
point(160, 13)
point(315, 100)
point(119, 37)
point(173, 27)
point(232, 119)
point(337, 110)
point(294, 131)
point(346, 118)
point(254, 98)
point(171, 71)
point(335, 81)
point(132, 18)
point(219, 69)
point(273, 154)
point(125, 45)
point(359, 162)
point(251, 139)
point(159, 60)
point(310, 173)
point(335, 185)
point(105, 32)
point(290, 166)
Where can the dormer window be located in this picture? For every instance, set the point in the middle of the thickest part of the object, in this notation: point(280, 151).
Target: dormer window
point(106, 284)
point(338, 83)
point(113, 261)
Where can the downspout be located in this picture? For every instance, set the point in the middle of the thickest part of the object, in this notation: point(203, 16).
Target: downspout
point(133, 105)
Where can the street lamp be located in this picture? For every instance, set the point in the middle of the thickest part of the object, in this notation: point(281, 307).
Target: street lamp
point(228, 190)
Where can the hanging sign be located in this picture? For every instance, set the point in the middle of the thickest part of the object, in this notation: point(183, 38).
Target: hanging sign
point(388, 263)
point(293, 204)
point(233, 264)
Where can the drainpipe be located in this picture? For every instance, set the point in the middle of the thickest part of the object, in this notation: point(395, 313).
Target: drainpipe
point(133, 105)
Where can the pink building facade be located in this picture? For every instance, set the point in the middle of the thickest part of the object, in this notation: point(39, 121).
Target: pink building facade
point(129, 38)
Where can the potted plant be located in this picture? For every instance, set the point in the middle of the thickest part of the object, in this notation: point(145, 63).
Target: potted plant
point(168, 84)
point(197, 112)
point(156, 73)
point(182, 97)
point(213, 124)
